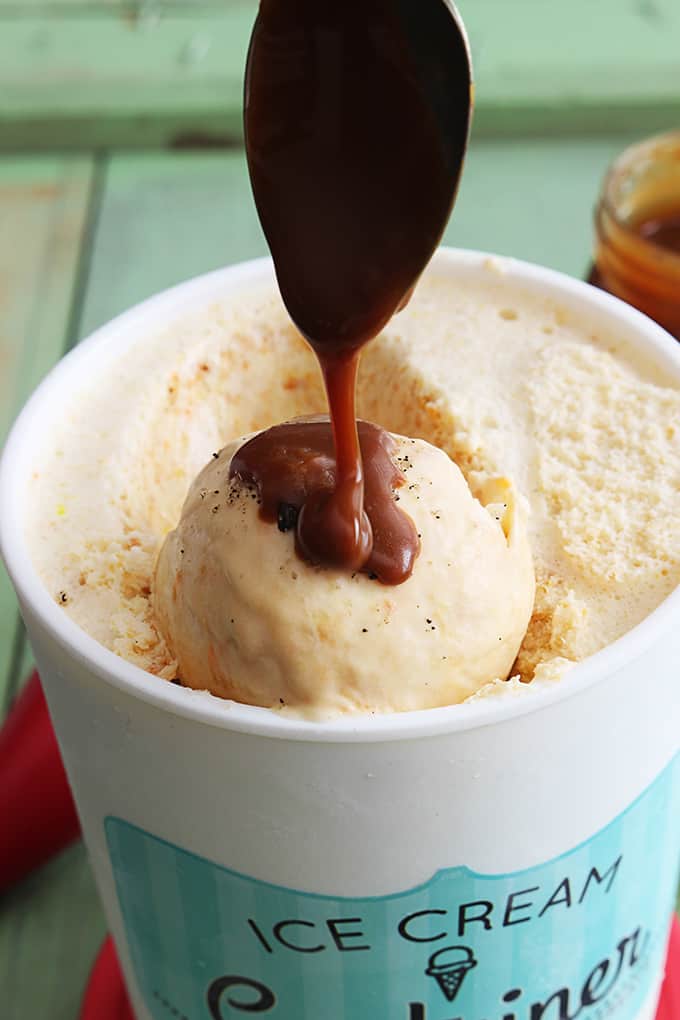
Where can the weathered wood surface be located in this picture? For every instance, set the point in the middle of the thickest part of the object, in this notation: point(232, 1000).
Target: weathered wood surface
point(169, 72)
point(43, 215)
point(50, 929)
point(49, 926)
point(165, 217)
point(145, 74)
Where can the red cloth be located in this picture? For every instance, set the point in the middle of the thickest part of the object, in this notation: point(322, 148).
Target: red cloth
point(106, 998)
point(669, 1004)
point(36, 806)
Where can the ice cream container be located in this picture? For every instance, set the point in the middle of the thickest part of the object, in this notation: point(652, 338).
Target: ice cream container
point(514, 858)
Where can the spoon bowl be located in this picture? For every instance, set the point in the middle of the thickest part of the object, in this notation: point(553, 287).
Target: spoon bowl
point(357, 118)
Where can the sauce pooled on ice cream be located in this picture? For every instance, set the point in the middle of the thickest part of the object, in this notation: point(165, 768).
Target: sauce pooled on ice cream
point(354, 170)
point(291, 462)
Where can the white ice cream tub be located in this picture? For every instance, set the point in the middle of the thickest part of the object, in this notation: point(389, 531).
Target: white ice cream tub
point(511, 859)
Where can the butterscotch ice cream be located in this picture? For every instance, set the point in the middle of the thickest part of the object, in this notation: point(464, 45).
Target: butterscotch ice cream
point(506, 382)
point(246, 618)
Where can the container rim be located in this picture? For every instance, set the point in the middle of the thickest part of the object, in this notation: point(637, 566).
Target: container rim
point(203, 707)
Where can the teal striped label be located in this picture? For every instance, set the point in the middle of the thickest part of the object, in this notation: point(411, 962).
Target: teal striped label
point(579, 936)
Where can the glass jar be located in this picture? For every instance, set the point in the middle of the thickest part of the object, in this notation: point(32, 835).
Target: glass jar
point(637, 230)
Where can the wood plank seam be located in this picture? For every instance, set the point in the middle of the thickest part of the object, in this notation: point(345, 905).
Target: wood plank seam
point(99, 177)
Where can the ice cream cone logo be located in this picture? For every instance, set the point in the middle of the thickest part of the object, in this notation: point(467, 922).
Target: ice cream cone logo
point(449, 967)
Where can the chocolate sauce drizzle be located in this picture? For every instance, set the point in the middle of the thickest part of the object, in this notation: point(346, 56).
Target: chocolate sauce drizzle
point(294, 468)
point(355, 138)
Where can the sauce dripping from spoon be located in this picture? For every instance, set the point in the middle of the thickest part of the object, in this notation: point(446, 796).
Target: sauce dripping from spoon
point(356, 120)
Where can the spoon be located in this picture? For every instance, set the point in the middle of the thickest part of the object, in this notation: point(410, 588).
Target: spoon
point(357, 116)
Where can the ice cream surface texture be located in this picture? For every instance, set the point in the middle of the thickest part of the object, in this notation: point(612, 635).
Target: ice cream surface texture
point(247, 618)
point(502, 378)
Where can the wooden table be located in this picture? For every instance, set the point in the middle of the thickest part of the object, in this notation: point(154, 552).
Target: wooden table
point(122, 172)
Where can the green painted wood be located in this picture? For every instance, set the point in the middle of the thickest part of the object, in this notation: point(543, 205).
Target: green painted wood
point(165, 217)
point(557, 67)
point(51, 924)
point(157, 72)
point(148, 80)
point(131, 8)
point(533, 198)
point(50, 928)
point(51, 8)
point(43, 213)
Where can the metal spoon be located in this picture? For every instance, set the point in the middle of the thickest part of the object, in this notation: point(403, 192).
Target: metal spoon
point(357, 117)
point(357, 114)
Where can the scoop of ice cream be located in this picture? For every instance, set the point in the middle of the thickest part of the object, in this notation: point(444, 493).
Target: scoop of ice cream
point(248, 620)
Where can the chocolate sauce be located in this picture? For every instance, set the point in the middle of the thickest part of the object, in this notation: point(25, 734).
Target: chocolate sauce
point(293, 465)
point(663, 231)
point(356, 122)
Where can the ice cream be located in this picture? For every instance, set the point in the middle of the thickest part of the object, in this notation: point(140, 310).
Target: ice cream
point(248, 619)
point(504, 381)
point(587, 432)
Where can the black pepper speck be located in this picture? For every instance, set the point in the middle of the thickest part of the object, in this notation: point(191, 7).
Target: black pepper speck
point(287, 516)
